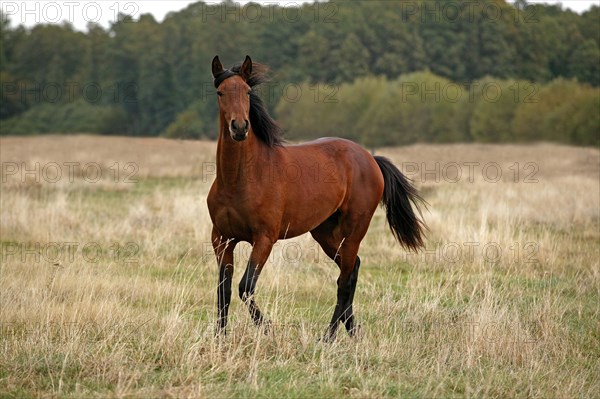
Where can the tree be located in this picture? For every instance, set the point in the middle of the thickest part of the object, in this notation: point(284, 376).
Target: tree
point(313, 55)
point(535, 120)
point(352, 59)
point(187, 124)
point(157, 75)
point(495, 109)
point(585, 63)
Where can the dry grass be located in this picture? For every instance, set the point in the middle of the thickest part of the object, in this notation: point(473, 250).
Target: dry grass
point(108, 289)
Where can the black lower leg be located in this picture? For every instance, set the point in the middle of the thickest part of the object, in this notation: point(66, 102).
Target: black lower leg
point(224, 296)
point(246, 291)
point(343, 307)
point(348, 315)
point(337, 314)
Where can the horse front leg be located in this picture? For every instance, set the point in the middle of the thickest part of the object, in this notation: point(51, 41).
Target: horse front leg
point(224, 253)
point(260, 253)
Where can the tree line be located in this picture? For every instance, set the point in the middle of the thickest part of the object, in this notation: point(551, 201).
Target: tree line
point(424, 107)
point(380, 72)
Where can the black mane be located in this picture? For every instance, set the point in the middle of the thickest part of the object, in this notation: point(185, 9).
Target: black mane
point(264, 126)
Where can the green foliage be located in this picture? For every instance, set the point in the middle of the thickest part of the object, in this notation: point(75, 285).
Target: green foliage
point(565, 111)
point(76, 117)
point(585, 63)
point(188, 124)
point(495, 108)
point(577, 121)
point(158, 74)
point(424, 107)
point(12, 101)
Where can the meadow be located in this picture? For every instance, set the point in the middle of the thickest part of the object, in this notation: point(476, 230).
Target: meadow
point(108, 280)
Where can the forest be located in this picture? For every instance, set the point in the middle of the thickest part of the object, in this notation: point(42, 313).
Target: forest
point(378, 72)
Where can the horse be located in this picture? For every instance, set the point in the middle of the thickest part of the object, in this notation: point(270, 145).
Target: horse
point(333, 194)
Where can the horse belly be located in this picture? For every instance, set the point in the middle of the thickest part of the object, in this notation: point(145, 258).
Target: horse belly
point(306, 213)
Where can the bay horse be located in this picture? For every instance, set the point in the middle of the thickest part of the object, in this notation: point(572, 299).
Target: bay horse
point(333, 194)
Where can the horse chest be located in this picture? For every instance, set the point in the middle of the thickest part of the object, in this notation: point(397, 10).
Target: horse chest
point(230, 216)
point(230, 223)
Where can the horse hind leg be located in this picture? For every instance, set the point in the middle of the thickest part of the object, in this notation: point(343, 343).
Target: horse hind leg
point(344, 253)
point(348, 315)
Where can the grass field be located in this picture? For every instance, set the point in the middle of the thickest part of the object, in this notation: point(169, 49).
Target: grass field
point(108, 280)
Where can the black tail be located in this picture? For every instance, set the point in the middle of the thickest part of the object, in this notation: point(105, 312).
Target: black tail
point(398, 193)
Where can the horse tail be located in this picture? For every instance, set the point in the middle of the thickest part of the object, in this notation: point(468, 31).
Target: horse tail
point(398, 194)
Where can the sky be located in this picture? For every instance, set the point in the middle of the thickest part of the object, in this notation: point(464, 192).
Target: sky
point(79, 13)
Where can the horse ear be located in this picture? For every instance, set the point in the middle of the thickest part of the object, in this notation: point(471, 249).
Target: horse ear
point(246, 69)
point(217, 67)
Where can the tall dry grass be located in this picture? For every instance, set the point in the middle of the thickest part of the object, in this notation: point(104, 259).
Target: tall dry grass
point(108, 289)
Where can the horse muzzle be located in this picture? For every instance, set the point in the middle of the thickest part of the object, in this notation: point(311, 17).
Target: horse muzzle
point(239, 132)
point(239, 136)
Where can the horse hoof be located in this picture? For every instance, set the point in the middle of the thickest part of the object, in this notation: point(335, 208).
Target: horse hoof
point(329, 337)
point(220, 332)
point(266, 327)
point(356, 332)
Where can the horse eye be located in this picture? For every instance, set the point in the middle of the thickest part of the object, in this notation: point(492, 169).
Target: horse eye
point(220, 93)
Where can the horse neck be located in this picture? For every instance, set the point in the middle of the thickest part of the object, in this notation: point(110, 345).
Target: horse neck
point(238, 162)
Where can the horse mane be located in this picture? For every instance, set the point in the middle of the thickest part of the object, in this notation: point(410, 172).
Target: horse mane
point(264, 126)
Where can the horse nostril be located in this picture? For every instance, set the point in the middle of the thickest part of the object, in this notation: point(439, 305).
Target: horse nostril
point(241, 128)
